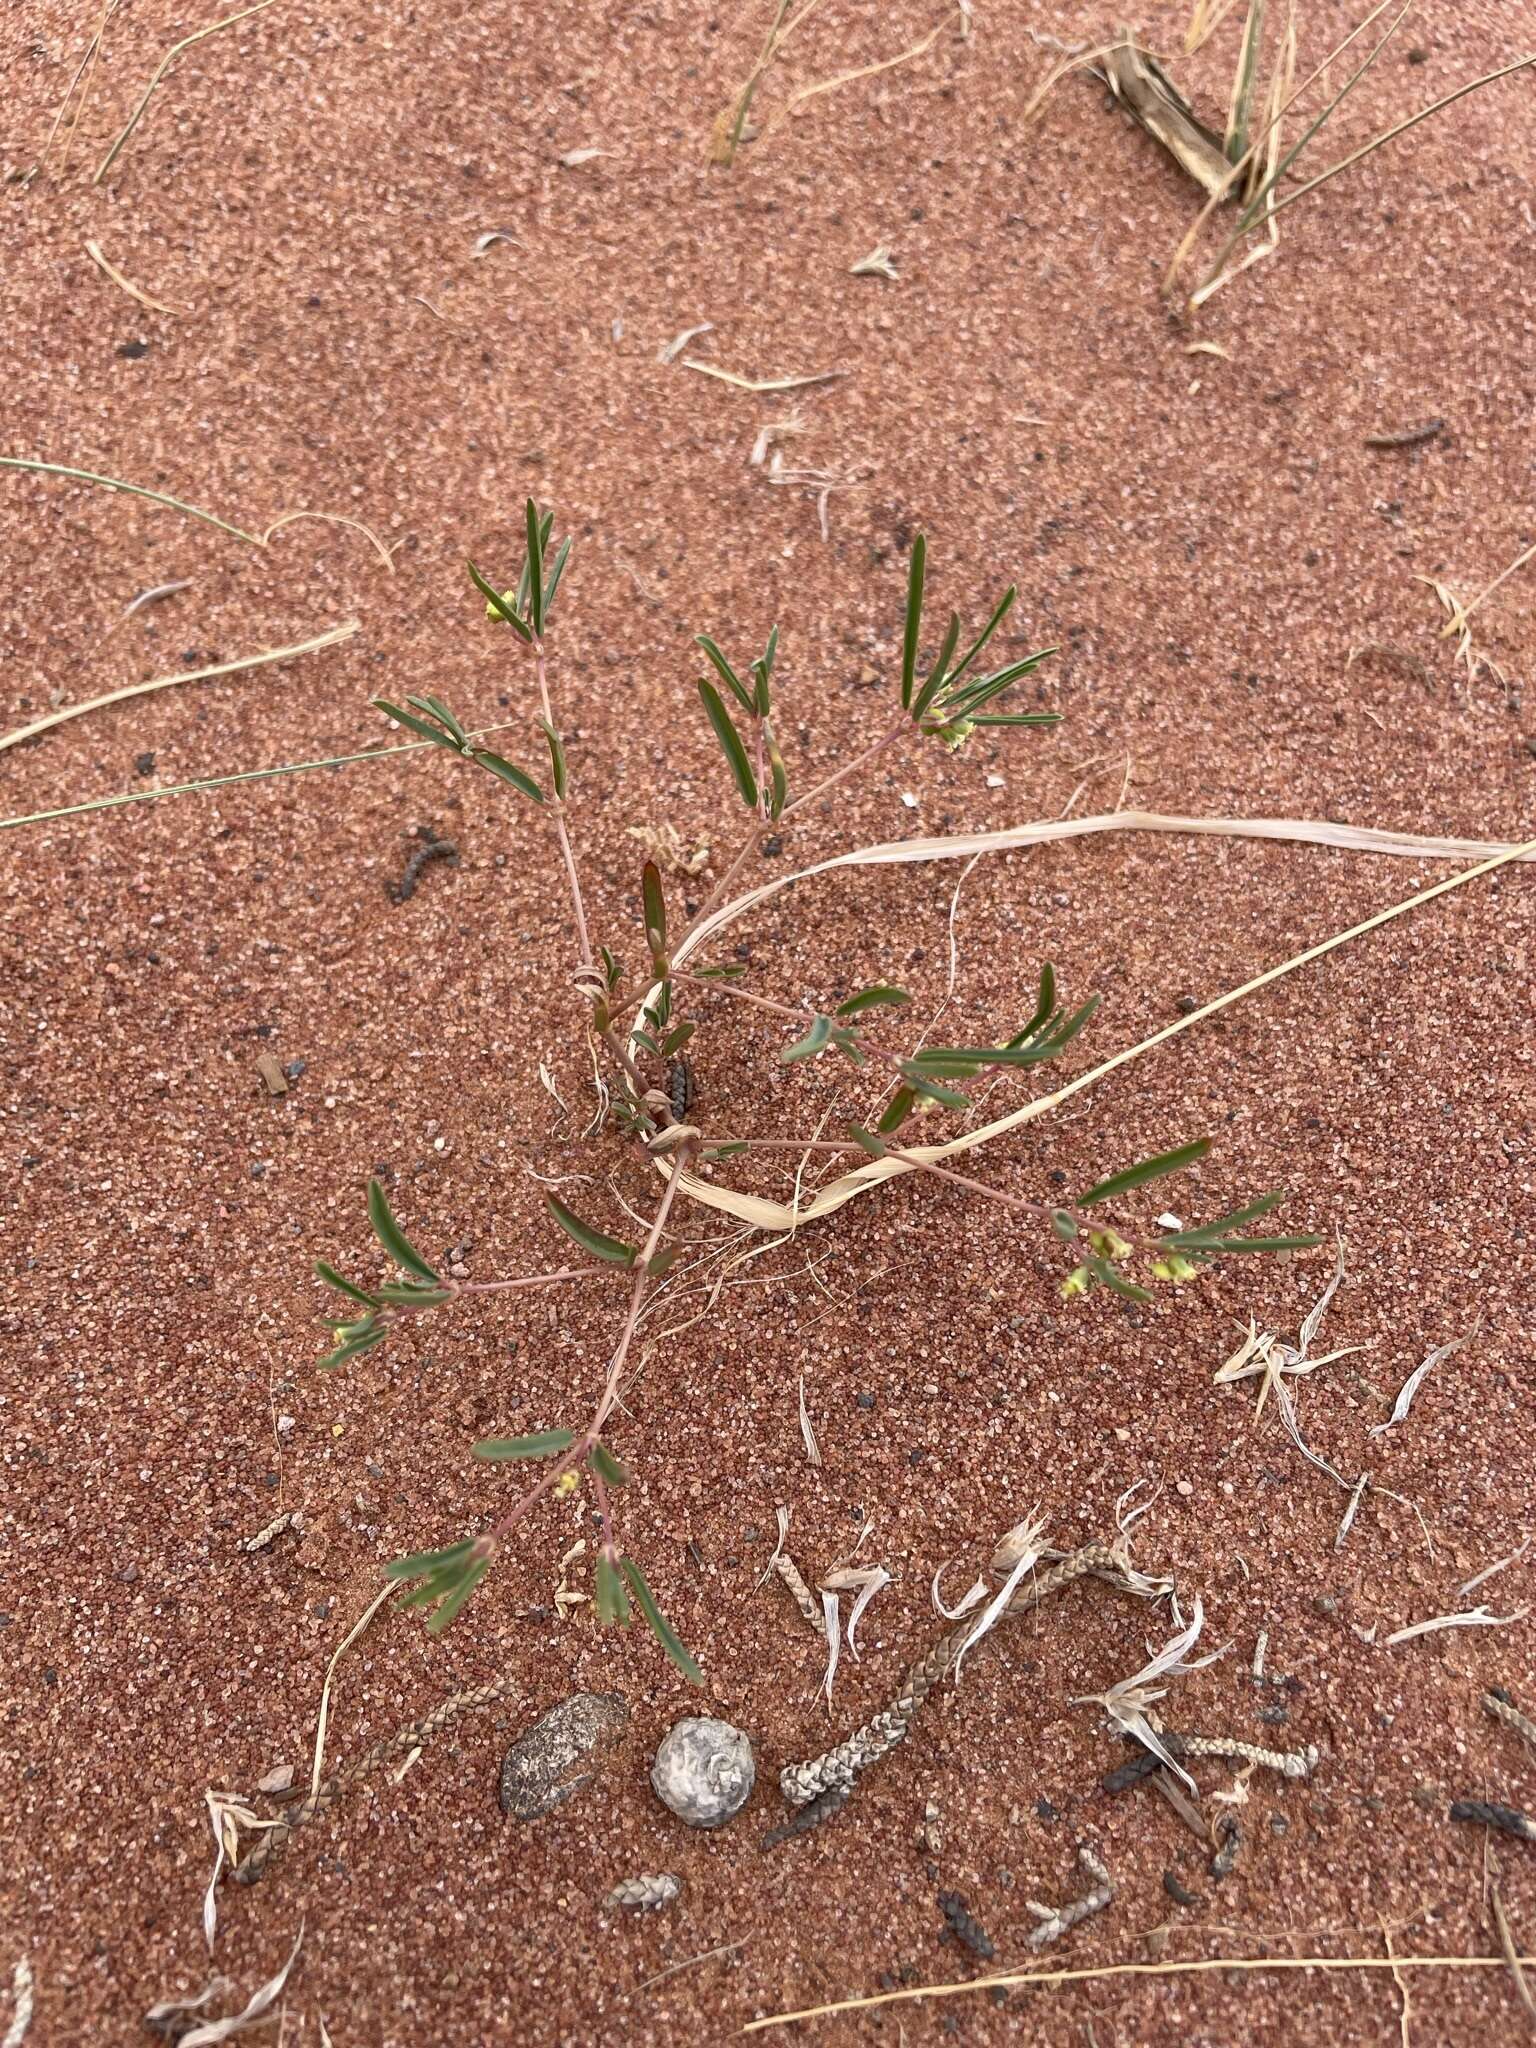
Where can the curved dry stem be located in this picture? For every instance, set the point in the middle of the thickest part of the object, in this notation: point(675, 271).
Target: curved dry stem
point(335, 519)
point(763, 1214)
point(159, 72)
point(191, 675)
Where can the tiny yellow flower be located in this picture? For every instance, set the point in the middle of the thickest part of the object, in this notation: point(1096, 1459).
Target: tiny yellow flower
point(1109, 1244)
point(567, 1483)
point(1078, 1281)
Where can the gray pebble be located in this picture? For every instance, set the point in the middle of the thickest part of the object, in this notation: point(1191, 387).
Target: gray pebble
point(538, 1773)
point(703, 1770)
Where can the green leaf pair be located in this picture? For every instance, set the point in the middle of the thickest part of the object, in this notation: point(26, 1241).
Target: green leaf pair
point(756, 702)
point(447, 732)
point(527, 610)
point(448, 1577)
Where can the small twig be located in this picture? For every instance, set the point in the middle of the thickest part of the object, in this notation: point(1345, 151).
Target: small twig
point(94, 251)
point(1410, 437)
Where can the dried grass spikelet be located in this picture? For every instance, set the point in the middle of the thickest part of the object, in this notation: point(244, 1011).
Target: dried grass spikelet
point(1129, 1702)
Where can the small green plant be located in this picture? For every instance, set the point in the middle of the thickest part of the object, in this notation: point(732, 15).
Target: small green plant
point(946, 699)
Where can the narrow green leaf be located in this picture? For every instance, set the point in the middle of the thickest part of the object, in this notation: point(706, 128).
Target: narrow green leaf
point(847, 1043)
point(730, 742)
point(412, 1296)
point(443, 1615)
point(662, 1262)
point(601, 1246)
point(508, 773)
point(653, 901)
point(1060, 1035)
point(937, 674)
point(334, 1279)
point(807, 1048)
point(556, 756)
point(1045, 1007)
point(932, 1091)
point(542, 1443)
point(393, 1238)
point(953, 1061)
point(536, 532)
point(874, 1146)
point(731, 971)
point(612, 970)
point(738, 689)
point(1004, 606)
point(1235, 1221)
point(762, 671)
point(1117, 1282)
point(359, 1340)
point(612, 1598)
point(524, 582)
point(428, 1560)
point(1064, 1225)
point(436, 708)
point(897, 1110)
point(660, 1626)
point(727, 1151)
point(880, 992)
point(603, 1460)
point(982, 689)
point(417, 725)
point(1148, 1169)
point(914, 622)
point(778, 776)
point(1019, 718)
point(677, 1038)
point(1258, 1244)
point(552, 581)
point(496, 604)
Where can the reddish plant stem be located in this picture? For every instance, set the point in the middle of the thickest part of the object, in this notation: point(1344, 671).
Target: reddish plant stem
point(570, 1458)
point(557, 805)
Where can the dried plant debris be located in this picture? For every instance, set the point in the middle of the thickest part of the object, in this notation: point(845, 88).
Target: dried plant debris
point(1140, 85)
point(810, 1816)
point(21, 2003)
point(643, 1894)
point(671, 350)
point(1471, 1617)
point(1502, 1707)
point(762, 383)
point(1129, 1701)
point(863, 1580)
point(432, 848)
point(290, 1518)
point(1508, 1820)
point(1057, 1921)
point(1225, 1860)
point(784, 1566)
point(1409, 437)
point(807, 1433)
point(880, 262)
point(805, 1782)
point(1416, 1378)
point(1490, 1571)
point(540, 1771)
point(964, 1926)
point(166, 2018)
point(1288, 1763)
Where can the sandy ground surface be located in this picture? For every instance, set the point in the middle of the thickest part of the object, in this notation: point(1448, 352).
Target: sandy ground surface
point(1208, 538)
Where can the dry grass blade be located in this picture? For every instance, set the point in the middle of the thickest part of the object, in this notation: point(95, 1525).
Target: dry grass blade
point(1472, 1617)
point(256, 2009)
point(1415, 1380)
point(335, 519)
point(94, 251)
point(1052, 1980)
point(1244, 79)
point(330, 1672)
point(176, 49)
point(810, 92)
point(194, 675)
point(763, 1214)
point(112, 483)
point(1140, 85)
point(21, 2003)
point(808, 1434)
point(1490, 1571)
point(1128, 1701)
point(761, 383)
point(671, 350)
point(1510, 1953)
point(1462, 612)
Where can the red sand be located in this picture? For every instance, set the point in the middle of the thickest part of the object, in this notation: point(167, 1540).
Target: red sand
point(1208, 538)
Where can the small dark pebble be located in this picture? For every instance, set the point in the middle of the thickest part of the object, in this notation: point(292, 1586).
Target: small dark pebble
point(1045, 1811)
point(144, 764)
point(999, 1994)
point(295, 1068)
point(773, 845)
point(132, 351)
point(1274, 1717)
point(1278, 1823)
point(1186, 1006)
point(865, 1400)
